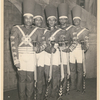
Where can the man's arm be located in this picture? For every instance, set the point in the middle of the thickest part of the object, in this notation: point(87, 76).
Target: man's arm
point(14, 46)
point(85, 45)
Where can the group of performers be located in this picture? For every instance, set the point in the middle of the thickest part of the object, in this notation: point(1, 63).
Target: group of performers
point(50, 61)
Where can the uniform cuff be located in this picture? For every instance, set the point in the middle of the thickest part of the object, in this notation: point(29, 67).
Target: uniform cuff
point(16, 62)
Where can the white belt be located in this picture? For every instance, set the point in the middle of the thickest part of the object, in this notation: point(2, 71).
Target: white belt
point(25, 50)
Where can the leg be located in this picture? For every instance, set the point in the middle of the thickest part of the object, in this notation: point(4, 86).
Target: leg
point(40, 82)
point(73, 76)
point(22, 83)
point(30, 85)
point(47, 86)
point(72, 70)
point(79, 70)
point(55, 82)
point(46, 70)
point(80, 75)
point(65, 80)
point(43, 92)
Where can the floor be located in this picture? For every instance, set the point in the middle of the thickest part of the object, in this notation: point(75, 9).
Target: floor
point(89, 95)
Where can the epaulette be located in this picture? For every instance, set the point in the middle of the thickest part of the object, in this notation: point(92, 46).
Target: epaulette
point(15, 26)
point(18, 25)
point(85, 28)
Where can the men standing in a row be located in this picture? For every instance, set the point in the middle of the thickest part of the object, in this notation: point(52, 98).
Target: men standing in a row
point(79, 43)
point(53, 71)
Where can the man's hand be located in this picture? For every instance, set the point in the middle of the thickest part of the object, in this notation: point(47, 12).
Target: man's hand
point(18, 66)
point(35, 49)
point(53, 50)
point(85, 46)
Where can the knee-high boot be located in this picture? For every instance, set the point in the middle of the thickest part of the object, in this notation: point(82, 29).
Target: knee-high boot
point(79, 76)
point(21, 84)
point(48, 86)
point(22, 91)
point(30, 85)
point(65, 80)
point(73, 76)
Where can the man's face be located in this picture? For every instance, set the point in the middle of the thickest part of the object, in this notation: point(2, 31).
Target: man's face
point(52, 22)
point(63, 21)
point(28, 20)
point(77, 22)
point(38, 21)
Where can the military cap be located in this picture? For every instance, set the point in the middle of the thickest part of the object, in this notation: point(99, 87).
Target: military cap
point(51, 11)
point(77, 11)
point(63, 10)
point(28, 6)
point(38, 12)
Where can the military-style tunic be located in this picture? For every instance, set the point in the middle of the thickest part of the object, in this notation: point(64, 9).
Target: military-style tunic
point(76, 55)
point(22, 47)
point(76, 46)
point(43, 44)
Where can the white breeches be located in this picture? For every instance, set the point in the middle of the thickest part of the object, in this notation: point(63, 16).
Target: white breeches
point(40, 58)
point(55, 58)
point(64, 56)
point(27, 62)
point(76, 55)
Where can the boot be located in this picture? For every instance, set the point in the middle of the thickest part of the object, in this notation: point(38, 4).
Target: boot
point(73, 76)
point(21, 84)
point(79, 76)
point(65, 80)
point(30, 85)
point(22, 95)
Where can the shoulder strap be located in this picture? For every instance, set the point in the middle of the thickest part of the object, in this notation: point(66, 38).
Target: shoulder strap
point(55, 32)
point(33, 32)
point(81, 31)
point(69, 27)
point(20, 30)
point(45, 31)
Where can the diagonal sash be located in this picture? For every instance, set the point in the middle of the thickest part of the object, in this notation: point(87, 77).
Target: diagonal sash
point(28, 35)
point(81, 32)
point(54, 34)
point(20, 30)
point(68, 27)
point(45, 31)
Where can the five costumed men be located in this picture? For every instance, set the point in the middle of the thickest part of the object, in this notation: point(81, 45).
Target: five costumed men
point(46, 58)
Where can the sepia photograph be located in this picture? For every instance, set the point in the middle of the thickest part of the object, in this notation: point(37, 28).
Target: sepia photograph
point(49, 50)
